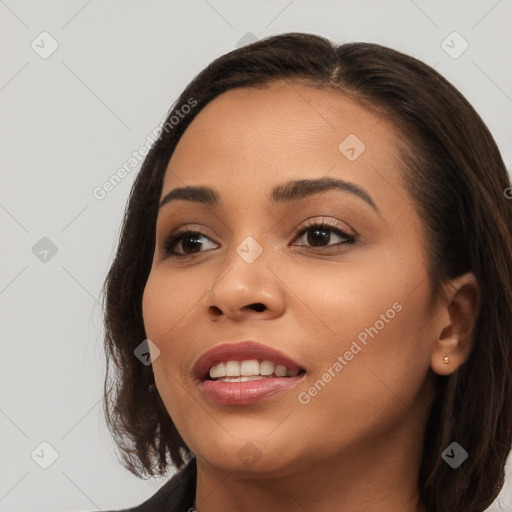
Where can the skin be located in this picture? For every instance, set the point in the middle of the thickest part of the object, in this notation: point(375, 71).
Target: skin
point(356, 445)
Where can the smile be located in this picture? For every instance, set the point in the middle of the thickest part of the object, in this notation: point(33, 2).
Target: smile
point(244, 373)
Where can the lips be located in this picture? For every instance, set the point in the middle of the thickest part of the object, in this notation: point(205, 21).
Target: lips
point(242, 351)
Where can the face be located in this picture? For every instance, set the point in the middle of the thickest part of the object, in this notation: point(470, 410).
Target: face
point(329, 282)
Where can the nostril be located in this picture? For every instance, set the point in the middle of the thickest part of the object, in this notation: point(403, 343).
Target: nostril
point(215, 310)
point(258, 306)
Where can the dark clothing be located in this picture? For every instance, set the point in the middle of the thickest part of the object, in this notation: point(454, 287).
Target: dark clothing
point(176, 495)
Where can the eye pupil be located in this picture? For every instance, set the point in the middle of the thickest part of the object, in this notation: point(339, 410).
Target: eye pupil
point(316, 237)
point(192, 243)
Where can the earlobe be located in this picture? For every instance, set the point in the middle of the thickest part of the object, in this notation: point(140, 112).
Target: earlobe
point(458, 313)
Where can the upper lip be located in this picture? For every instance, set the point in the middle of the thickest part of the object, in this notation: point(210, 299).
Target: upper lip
point(240, 351)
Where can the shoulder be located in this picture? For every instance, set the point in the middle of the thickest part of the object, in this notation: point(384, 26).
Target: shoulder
point(176, 495)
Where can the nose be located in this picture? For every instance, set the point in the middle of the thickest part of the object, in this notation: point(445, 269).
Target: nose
point(245, 290)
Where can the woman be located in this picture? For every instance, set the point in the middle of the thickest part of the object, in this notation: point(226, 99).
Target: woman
point(316, 259)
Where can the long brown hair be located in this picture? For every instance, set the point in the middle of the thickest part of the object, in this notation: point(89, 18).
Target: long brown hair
point(453, 170)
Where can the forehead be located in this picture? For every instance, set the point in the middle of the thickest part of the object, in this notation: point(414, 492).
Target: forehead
point(251, 137)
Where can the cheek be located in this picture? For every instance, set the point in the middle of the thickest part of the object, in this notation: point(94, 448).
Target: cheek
point(372, 370)
point(168, 305)
point(375, 317)
point(162, 306)
point(154, 299)
point(161, 310)
point(166, 302)
point(333, 303)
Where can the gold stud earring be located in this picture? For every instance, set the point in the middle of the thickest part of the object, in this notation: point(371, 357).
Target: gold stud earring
point(446, 360)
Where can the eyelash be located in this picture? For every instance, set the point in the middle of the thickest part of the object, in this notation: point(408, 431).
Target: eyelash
point(177, 236)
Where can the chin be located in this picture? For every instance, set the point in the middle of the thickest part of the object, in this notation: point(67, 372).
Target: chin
point(257, 457)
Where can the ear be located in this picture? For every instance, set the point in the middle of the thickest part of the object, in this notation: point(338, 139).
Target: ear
point(456, 317)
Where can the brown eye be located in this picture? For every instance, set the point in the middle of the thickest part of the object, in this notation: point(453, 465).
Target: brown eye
point(189, 242)
point(320, 235)
point(181, 244)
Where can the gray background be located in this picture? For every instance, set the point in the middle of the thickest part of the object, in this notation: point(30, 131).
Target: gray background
point(70, 120)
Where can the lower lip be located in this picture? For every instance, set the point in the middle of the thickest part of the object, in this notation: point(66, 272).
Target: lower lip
point(243, 393)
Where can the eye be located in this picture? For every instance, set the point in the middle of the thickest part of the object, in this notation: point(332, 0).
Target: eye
point(320, 233)
point(187, 240)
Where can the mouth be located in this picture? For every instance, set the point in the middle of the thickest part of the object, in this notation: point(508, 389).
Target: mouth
point(245, 372)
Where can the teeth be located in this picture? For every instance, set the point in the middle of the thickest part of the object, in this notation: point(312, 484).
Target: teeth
point(233, 369)
point(251, 369)
point(280, 371)
point(218, 371)
point(266, 368)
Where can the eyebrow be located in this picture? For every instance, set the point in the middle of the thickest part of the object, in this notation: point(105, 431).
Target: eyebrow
point(286, 192)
